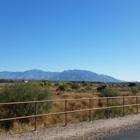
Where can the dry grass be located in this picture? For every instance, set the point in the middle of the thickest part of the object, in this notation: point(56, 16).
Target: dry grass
point(17, 128)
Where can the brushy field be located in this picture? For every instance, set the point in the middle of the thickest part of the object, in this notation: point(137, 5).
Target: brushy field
point(39, 90)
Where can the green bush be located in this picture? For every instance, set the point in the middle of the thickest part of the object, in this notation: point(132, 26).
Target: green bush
point(69, 83)
point(101, 88)
point(23, 92)
point(108, 92)
point(134, 90)
point(132, 84)
point(75, 86)
point(85, 83)
point(47, 83)
point(63, 86)
point(41, 84)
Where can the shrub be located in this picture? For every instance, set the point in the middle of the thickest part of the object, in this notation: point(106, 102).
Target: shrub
point(63, 86)
point(108, 92)
point(47, 83)
point(35, 83)
point(69, 83)
point(88, 88)
point(132, 84)
point(100, 88)
point(75, 86)
point(41, 84)
point(134, 90)
point(23, 92)
point(85, 83)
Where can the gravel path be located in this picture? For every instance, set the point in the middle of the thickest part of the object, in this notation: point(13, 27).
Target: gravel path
point(82, 131)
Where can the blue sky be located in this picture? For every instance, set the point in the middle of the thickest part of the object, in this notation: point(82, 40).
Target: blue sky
point(102, 36)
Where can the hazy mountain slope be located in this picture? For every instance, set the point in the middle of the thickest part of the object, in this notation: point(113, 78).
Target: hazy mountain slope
point(69, 75)
point(29, 75)
point(84, 75)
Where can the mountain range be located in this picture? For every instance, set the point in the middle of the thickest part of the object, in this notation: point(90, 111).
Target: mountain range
point(66, 75)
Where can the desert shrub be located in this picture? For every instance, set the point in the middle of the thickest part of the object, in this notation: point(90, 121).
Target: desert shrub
point(3, 80)
point(100, 88)
point(125, 89)
point(23, 92)
point(88, 88)
point(58, 83)
point(63, 86)
point(108, 92)
point(69, 83)
point(75, 86)
point(84, 83)
point(98, 114)
point(35, 83)
point(41, 84)
point(134, 90)
point(132, 84)
point(47, 83)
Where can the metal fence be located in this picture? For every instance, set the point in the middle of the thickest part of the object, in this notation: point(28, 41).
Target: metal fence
point(65, 112)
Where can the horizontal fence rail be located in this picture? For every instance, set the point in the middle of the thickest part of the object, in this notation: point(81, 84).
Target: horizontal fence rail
point(65, 112)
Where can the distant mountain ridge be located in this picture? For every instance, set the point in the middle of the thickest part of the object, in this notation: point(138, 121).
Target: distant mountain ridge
point(66, 75)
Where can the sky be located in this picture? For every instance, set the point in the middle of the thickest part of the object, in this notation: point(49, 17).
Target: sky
point(102, 36)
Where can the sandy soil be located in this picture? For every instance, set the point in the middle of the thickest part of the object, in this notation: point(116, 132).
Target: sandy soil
point(82, 131)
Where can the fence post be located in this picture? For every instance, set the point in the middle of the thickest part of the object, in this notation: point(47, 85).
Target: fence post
point(107, 108)
point(123, 106)
point(89, 110)
point(137, 105)
point(66, 114)
point(35, 123)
